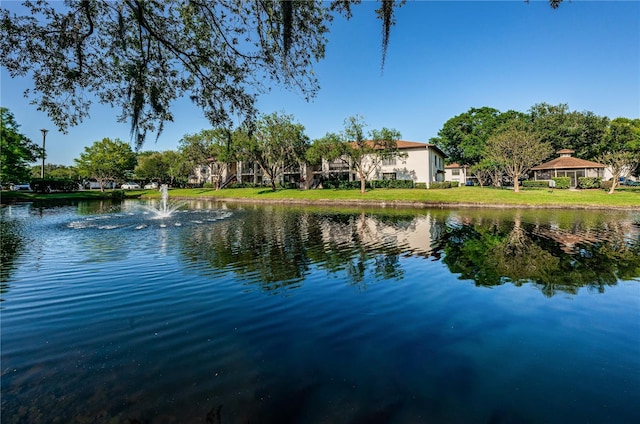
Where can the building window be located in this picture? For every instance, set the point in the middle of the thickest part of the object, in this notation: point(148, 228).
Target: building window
point(388, 161)
point(389, 176)
point(455, 172)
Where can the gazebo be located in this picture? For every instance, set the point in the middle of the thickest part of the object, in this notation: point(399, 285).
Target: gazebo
point(567, 166)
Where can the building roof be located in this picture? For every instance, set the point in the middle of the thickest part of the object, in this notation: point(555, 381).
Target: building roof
point(455, 165)
point(406, 145)
point(567, 162)
point(418, 145)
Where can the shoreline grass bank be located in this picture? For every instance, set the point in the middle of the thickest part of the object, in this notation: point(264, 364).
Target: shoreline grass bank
point(460, 197)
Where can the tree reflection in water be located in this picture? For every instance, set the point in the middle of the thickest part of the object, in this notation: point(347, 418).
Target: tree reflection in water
point(589, 250)
point(12, 244)
point(558, 251)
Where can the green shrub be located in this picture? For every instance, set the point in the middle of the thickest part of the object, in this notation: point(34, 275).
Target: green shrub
point(606, 185)
point(53, 184)
point(392, 183)
point(343, 184)
point(440, 184)
point(420, 185)
point(455, 183)
point(208, 185)
point(243, 185)
point(589, 182)
point(562, 182)
point(118, 195)
point(535, 183)
point(288, 185)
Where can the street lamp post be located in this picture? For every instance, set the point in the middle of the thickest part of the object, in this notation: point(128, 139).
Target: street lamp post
point(44, 138)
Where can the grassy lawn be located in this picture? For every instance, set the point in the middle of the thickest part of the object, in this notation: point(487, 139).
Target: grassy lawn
point(24, 196)
point(463, 196)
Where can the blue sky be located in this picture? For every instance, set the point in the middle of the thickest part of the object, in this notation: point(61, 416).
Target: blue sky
point(443, 58)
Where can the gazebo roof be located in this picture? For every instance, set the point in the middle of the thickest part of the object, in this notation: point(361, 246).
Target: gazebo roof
point(568, 162)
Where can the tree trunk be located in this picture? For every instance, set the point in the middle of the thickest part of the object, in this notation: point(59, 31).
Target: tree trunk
point(516, 185)
point(614, 183)
point(363, 183)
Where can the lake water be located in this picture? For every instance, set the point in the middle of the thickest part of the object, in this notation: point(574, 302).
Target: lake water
point(269, 314)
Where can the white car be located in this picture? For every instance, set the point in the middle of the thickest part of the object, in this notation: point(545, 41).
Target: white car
point(151, 186)
point(130, 186)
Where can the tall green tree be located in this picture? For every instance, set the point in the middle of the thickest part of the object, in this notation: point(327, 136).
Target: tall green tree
point(361, 153)
point(582, 132)
point(276, 144)
point(16, 150)
point(623, 134)
point(151, 166)
point(464, 136)
point(516, 149)
point(178, 168)
point(620, 150)
point(621, 163)
point(106, 160)
point(140, 55)
point(56, 171)
point(487, 171)
point(213, 149)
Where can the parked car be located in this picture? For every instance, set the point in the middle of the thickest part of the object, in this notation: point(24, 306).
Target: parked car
point(130, 186)
point(94, 184)
point(17, 187)
point(151, 186)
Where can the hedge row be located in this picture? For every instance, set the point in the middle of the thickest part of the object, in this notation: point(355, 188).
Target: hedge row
point(392, 183)
point(47, 185)
point(443, 184)
point(565, 182)
point(343, 185)
point(355, 185)
point(535, 183)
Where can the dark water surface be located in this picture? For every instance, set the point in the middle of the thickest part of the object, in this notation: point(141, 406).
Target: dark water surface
point(236, 314)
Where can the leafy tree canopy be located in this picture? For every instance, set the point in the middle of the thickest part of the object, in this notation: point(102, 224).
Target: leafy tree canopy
point(582, 132)
point(623, 134)
point(56, 172)
point(352, 146)
point(140, 55)
point(177, 167)
point(463, 137)
point(151, 166)
point(106, 159)
point(16, 150)
point(275, 143)
point(516, 149)
point(214, 148)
